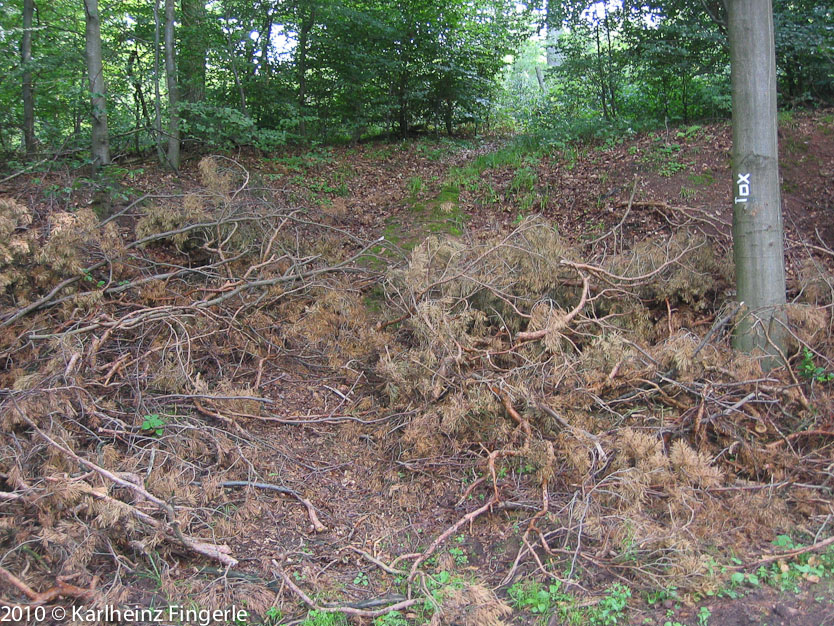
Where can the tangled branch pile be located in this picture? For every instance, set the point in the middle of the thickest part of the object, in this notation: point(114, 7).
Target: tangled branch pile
point(133, 349)
point(657, 444)
point(143, 357)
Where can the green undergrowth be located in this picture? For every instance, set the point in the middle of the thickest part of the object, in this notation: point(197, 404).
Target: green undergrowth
point(541, 603)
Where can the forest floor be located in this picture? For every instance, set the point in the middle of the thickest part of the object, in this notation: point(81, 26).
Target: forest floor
point(487, 381)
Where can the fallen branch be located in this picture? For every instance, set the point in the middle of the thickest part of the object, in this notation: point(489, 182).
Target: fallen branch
point(311, 511)
point(789, 554)
point(799, 435)
point(447, 533)
point(61, 589)
point(217, 552)
point(347, 610)
point(539, 334)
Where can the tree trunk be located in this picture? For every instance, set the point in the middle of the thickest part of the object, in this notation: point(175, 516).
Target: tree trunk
point(540, 78)
point(266, 41)
point(601, 77)
point(192, 58)
point(612, 87)
point(98, 100)
point(301, 67)
point(554, 31)
point(757, 215)
point(173, 94)
point(141, 107)
point(157, 100)
point(26, 60)
point(238, 84)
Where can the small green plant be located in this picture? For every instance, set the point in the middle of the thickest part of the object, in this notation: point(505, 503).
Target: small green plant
point(785, 118)
point(320, 618)
point(361, 579)
point(703, 179)
point(273, 615)
point(662, 595)
point(671, 167)
point(536, 598)
point(806, 567)
point(394, 618)
point(531, 596)
point(687, 193)
point(809, 370)
point(689, 132)
point(415, 186)
point(154, 424)
point(524, 181)
point(459, 556)
point(610, 610)
point(703, 616)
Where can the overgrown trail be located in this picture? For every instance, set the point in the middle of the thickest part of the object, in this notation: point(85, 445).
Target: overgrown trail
point(443, 381)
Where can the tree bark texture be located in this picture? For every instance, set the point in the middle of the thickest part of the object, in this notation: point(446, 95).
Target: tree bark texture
point(95, 74)
point(758, 247)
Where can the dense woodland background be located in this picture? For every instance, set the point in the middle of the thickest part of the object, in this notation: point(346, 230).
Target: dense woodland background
point(268, 73)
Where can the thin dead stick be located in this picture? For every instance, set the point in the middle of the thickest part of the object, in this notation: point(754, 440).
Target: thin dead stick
point(628, 279)
point(800, 434)
point(347, 610)
point(377, 562)
point(508, 406)
point(311, 511)
point(447, 533)
point(788, 555)
point(717, 327)
point(61, 589)
point(469, 490)
point(219, 553)
point(573, 429)
point(614, 230)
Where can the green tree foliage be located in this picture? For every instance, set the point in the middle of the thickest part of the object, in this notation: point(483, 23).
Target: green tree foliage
point(265, 72)
point(624, 65)
point(260, 72)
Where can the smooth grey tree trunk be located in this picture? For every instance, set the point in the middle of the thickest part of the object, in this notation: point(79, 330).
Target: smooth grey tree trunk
point(26, 60)
point(173, 92)
point(758, 247)
point(95, 74)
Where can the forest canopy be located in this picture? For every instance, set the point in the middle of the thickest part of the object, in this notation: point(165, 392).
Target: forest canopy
point(266, 73)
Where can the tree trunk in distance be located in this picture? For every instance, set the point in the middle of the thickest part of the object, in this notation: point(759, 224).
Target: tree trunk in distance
point(98, 100)
point(157, 100)
point(301, 68)
point(232, 60)
point(173, 95)
point(192, 58)
point(758, 247)
point(28, 97)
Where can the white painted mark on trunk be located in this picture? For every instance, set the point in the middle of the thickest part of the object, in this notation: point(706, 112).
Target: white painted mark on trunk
point(743, 184)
